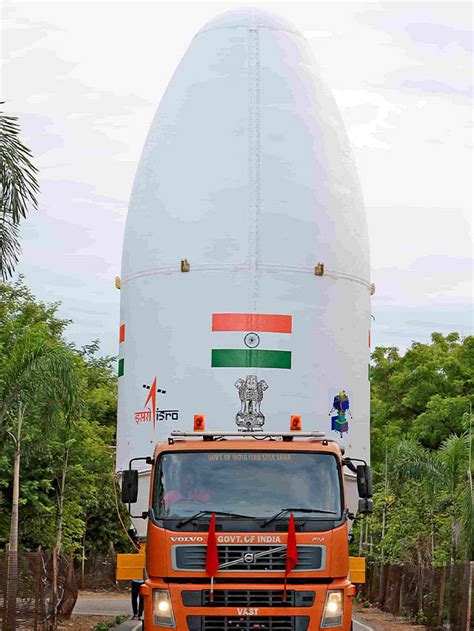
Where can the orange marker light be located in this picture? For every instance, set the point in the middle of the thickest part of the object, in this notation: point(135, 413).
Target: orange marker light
point(295, 423)
point(199, 422)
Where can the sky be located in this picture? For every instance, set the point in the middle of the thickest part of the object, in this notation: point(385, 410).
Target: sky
point(85, 79)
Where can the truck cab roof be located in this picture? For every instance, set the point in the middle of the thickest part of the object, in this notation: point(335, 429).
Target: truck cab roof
point(252, 442)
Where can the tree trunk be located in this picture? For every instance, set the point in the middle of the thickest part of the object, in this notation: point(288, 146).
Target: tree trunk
point(12, 571)
point(70, 569)
point(466, 602)
point(420, 587)
point(383, 569)
point(452, 592)
point(432, 537)
point(39, 576)
point(54, 586)
point(453, 540)
point(366, 537)
point(402, 591)
point(83, 560)
point(113, 558)
point(59, 530)
point(442, 587)
point(60, 502)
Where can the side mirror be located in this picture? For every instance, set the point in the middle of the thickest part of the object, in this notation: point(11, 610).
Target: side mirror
point(366, 506)
point(364, 481)
point(129, 486)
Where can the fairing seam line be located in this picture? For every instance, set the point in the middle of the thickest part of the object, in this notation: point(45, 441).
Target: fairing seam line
point(246, 26)
point(173, 269)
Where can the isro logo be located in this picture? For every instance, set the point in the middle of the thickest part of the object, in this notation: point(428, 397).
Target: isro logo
point(151, 413)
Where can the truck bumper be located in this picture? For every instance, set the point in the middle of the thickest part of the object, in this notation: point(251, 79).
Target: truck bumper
point(247, 607)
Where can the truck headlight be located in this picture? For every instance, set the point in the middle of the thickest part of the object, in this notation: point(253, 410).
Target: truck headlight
point(162, 609)
point(333, 608)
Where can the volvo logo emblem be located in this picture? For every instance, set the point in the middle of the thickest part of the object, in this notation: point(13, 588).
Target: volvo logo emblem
point(249, 557)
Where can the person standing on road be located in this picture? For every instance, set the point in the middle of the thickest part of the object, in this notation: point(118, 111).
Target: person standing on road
point(137, 600)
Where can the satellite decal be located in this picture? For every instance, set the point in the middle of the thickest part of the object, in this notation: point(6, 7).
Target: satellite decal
point(340, 405)
point(251, 390)
point(244, 347)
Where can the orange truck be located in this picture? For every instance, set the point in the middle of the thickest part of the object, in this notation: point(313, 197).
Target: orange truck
point(245, 500)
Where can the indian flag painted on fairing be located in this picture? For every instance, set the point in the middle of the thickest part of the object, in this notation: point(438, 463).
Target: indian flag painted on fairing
point(248, 340)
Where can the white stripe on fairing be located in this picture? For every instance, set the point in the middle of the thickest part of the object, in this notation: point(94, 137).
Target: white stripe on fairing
point(268, 341)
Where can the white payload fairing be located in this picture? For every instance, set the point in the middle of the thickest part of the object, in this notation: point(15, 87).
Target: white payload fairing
point(245, 187)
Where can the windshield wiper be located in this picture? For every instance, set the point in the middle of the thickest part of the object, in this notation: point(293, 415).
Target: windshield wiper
point(201, 513)
point(300, 510)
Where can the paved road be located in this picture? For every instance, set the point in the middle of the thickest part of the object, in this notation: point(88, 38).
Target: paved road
point(103, 606)
point(129, 625)
point(360, 626)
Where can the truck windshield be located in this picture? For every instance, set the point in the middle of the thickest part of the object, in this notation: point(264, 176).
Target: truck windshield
point(252, 483)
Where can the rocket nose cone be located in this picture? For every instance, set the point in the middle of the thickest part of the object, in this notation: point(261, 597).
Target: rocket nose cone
point(248, 17)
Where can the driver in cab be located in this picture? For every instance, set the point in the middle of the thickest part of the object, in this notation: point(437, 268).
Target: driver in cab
point(189, 490)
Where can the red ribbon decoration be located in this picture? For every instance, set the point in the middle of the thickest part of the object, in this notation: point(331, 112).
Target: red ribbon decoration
point(291, 551)
point(212, 556)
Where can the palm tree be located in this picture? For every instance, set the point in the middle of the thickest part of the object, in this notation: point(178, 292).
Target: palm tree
point(18, 187)
point(454, 459)
point(446, 471)
point(42, 370)
point(447, 468)
point(410, 460)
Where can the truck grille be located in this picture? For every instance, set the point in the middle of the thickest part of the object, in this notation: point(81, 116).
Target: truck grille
point(247, 598)
point(251, 623)
point(310, 558)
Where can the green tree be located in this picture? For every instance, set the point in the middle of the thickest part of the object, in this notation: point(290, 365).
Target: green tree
point(423, 393)
point(80, 453)
point(40, 370)
point(100, 376)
